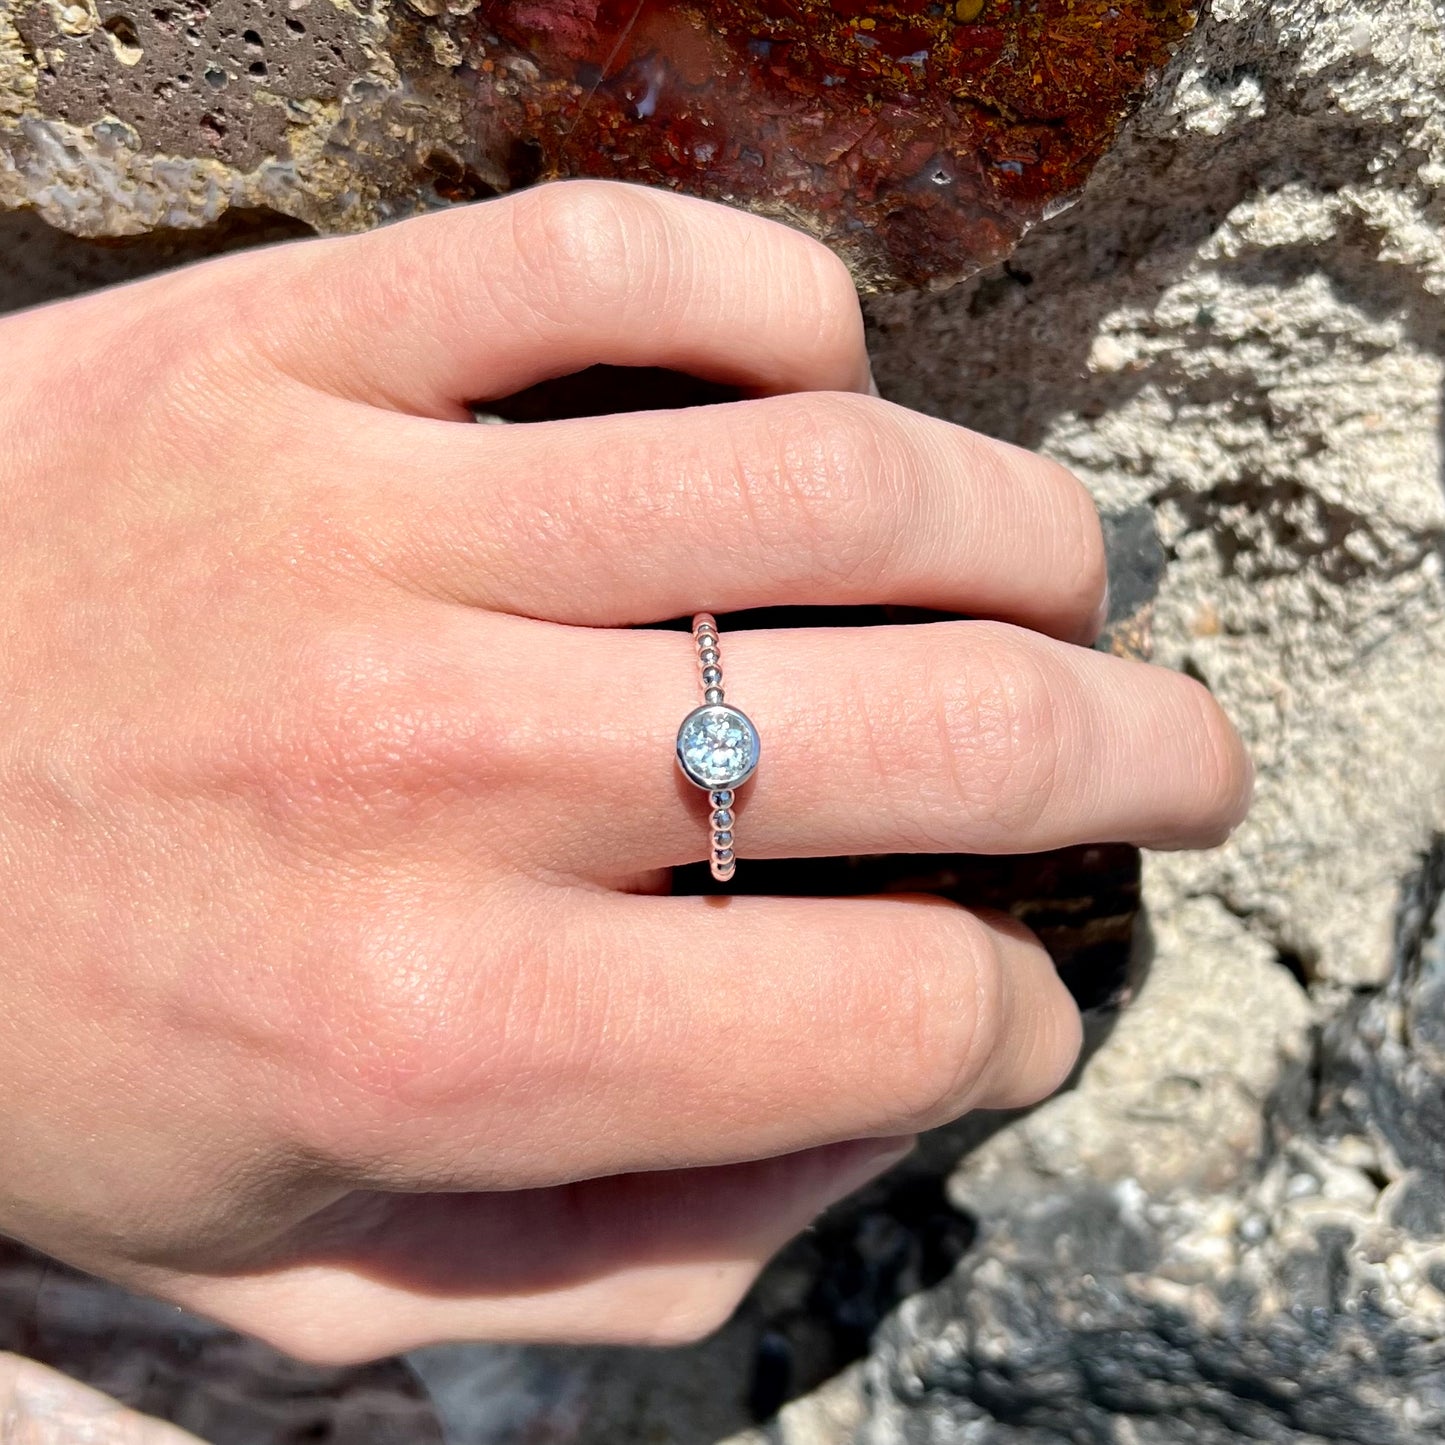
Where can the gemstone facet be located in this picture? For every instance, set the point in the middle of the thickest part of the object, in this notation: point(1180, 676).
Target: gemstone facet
point(717, 747)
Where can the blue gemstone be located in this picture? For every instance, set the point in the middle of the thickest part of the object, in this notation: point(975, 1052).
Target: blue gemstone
point(717, 747)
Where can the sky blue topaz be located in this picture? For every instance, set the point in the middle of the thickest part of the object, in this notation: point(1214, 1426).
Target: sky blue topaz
point(717, 746)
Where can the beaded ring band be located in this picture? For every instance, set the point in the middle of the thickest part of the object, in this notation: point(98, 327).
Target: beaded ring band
point(717, 748)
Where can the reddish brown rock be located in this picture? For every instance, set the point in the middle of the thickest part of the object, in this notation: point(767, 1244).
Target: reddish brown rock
point(919, 139)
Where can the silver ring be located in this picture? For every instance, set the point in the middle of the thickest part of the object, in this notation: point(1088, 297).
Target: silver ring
point(717, 748)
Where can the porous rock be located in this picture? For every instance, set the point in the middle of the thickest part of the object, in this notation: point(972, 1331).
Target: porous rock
point(1232, 1228)
point(919, 139)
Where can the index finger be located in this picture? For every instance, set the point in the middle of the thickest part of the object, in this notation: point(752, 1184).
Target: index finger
point(485, 300)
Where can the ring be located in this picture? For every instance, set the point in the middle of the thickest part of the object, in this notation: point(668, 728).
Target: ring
point(717, 748)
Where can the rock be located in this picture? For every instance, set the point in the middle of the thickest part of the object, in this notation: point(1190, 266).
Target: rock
point(1177, 1100)
point(43, 1407)
point(1300, 1301)
point(165, 1364)
point(919, 139)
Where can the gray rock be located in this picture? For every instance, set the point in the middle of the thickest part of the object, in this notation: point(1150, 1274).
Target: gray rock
point(1302, 1304)
point(1231, 1228)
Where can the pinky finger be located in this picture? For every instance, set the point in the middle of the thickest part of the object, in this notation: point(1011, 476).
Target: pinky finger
point(653, 1259)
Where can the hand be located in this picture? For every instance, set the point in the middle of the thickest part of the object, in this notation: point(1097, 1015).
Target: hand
point(342, 999)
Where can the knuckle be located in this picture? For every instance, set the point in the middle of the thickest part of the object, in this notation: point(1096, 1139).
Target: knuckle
point(998, 716)
point(413, 1022)
point(1064, 1045)
point(1059, 507)
point(1085, 576)
point(1226, 774)
point(374, 280)
point(374, 719)
point(186, 372)
point(834, 486)
point(352, 729)
point(1044, 1026)
point(237, 333)
point(830, 293)
point(397, 1027)
point(951, 1009)
point(575, 239)
point(684, 1308)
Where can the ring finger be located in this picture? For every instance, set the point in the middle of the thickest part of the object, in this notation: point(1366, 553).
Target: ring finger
point(972, 737)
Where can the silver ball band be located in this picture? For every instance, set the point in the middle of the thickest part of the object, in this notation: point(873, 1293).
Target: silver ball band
point(717, 749)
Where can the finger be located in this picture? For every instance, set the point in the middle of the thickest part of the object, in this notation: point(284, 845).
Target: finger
point(572, 1033)
point(482, 301)
point(950, 737)
point(634, 1259)
point(805, 499)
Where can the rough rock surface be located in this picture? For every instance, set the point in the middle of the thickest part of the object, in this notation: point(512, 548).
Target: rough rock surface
point(39, 1406)
point(1233, 1227)
point(167, 1365)
point(918, 138)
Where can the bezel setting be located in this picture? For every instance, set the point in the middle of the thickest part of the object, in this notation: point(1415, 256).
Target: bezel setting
point(727, 778)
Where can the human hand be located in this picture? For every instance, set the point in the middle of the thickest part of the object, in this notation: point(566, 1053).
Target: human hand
point(342, 999)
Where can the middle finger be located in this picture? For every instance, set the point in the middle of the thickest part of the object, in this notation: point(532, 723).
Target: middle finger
point(814, 498)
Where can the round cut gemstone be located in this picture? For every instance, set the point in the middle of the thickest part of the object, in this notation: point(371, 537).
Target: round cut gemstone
point(717, 747)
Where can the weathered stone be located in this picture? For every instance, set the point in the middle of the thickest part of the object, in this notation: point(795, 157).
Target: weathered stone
point(1297, 1304)
point(187, 78)
point(43, 1407)
point(169, 1365)
point(920, 139)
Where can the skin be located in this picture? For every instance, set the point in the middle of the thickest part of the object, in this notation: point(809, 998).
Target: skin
point(343, 997)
